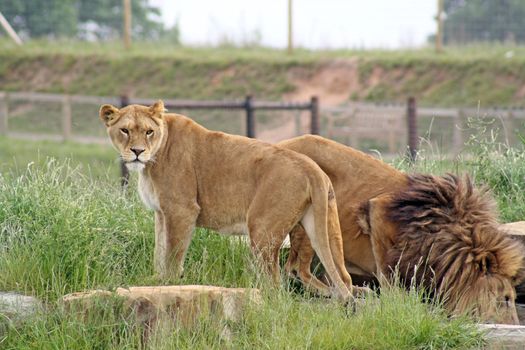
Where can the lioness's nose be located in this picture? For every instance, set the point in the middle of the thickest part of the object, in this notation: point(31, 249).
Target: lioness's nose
point(137, 151)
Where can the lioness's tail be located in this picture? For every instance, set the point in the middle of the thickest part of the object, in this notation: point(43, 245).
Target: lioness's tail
point(321, 224)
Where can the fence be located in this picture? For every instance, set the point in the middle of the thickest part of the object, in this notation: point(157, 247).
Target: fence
point(361, 125)
point(248, 105)
point(385, 127)
point(409, 23)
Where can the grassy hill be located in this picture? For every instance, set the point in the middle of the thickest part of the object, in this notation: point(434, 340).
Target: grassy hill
point(460, 77)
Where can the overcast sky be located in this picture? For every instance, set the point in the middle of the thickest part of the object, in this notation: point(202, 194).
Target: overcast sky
point(317, 23)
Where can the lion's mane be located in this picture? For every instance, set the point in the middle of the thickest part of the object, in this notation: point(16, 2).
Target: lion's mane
point(448, 239)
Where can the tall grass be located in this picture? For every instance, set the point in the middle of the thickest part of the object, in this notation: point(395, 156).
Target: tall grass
point(489, 162)
point(61, 231)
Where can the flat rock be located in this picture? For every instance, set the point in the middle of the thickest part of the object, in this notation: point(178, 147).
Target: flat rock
point(504, 336)
point(180, 305)
point(516, 229)
point(14, 306)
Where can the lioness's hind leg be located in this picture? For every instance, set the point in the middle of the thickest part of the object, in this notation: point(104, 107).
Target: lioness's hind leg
point(268, 225)
point(336, 244)
point(265, 244)
point(300, 258)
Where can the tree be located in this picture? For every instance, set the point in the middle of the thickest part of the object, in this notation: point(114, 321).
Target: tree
point(39, 18)
point(484, 20)
point(106, 15)
point(85, 19)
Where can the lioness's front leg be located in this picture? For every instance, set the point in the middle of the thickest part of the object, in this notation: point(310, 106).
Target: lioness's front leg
point(159, 251)
point(173, 231)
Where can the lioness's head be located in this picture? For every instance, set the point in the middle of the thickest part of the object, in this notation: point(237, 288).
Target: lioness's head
point(446, 238)
point(137, 132)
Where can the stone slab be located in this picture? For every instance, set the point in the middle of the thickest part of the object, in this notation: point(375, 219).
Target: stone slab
point(504, 336)
point(154, 307)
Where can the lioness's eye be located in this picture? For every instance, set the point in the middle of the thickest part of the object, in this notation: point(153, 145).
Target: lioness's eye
point(149, 132)
point(124, 131)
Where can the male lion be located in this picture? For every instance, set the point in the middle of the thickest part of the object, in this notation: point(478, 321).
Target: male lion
point(437, 232)
point(191, 176)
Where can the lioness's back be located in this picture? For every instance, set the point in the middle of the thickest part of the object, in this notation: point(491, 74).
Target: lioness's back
point(229, 167)
point(350, 170)
point(229, 152)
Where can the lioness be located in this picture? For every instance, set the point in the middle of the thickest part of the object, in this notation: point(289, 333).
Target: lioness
point(191, 176)
point(442, 224)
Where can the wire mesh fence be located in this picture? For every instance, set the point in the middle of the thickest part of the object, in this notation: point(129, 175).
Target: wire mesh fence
point(74, 117)
point(370, 127)
point(407, 23)
point(85, 19)
point(483, 21)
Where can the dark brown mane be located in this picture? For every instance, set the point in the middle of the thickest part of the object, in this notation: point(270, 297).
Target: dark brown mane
point(448, 237)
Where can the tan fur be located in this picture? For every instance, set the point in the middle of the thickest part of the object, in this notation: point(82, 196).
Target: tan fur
point(436, 232)
point(191, 176)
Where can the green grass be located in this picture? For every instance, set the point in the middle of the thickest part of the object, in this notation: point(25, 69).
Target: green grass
point(66, 226)
point(489, 162)
point(459, 76)
point(62, 232)
point(95, 161)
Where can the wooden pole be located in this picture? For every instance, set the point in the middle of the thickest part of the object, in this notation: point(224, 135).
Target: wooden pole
point(127, 24)
point(439, 31)
point(290, 29)
point(412, 128)
point(10, 31)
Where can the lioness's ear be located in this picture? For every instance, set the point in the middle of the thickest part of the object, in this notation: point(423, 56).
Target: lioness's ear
point(157, 107)
point(108, 113)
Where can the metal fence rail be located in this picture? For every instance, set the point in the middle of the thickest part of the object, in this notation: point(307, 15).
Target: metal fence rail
point(249, 105)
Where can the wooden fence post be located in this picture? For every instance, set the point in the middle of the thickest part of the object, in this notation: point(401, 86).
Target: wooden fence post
point(439, 29)
point(457, 133)
point(354, 132)
point(290, 28)
point(297, 123)
point(314, 116)
point(127, 23)
point(66, 118)
point(124, 172)
point(250, 118)
point(508, 127)
point(412, 128)
point(391, 132)
point(4, 113)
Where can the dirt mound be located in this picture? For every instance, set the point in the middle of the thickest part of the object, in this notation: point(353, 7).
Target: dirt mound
point(333, 82)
